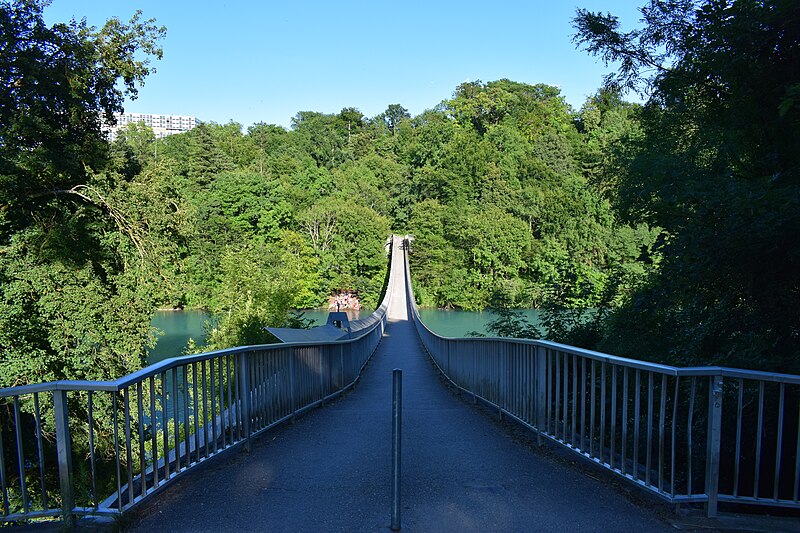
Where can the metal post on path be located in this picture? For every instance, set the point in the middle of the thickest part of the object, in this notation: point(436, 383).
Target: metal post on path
point(397, 411)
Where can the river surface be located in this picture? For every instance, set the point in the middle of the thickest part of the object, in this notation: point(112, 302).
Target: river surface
point(180, 326)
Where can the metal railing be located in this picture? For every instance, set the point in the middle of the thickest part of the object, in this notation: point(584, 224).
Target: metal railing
point(72, 448)
point(706, 435)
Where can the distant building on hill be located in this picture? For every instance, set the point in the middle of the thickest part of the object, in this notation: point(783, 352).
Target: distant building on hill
point(162, 125)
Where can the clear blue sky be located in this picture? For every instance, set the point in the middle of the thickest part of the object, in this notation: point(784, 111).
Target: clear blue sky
point(264, 61)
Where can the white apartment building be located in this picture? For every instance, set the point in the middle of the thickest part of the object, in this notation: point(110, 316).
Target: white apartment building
point(162, 125)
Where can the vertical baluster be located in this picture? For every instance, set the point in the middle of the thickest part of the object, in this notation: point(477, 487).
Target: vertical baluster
point(275, 377)
point(341, 375)
point(662, 420)
point(574, 398)
point(672, 438)
point(592, 409)
point(243, 395)
point(260, 376)
point(126, 410)
point(779, 443)
point(196, 413)
point(796, 459)
point(320, 373)
point(265, 376)
point(557, 398)
point(613, 414)
point(522, 378)
point(165, 422)
point(583, 403)
point(205, 406)
point(602, 411)
point(176, 409)
point(140, 412)
point(254, 380)
point(513, 372)
point(115, 408)
point(20, 456)
point(187, 437)
point(624, 417)
point(524, 383)
point(38, 421)
point(276, 382)
point(737, 458)
point(153, 431)
point(549, 389)
point(237, 397)
point(300, 388)
point(689, 438)
point(759, 429)
point(636, 415)
point(283, 391)
point(229, 385)
point(92, 461)
point(213, 405)
point(648, 458)
point(3, 482)
point(224, 411)
point(293, 387)
point(565, 397)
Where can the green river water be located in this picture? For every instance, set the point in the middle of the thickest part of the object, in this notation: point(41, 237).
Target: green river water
point(179, 326)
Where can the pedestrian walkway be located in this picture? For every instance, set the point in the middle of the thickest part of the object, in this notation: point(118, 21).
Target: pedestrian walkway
point(331, 470)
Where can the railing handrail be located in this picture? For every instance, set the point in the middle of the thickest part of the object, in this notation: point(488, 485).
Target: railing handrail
point(613, 411)
point(164, 365)
point(167, 364)
point(685, 371)
point(161, 421)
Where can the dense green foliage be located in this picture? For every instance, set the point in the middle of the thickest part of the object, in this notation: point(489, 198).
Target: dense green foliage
point(717, 166)
point(495, 184)
point(72, 303)
point(674, 223)
point(502, 204)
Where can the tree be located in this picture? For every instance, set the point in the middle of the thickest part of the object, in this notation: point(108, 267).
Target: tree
point(265, 138)
point(206, 158)
point(133, 149)
point(323, 136)
point(58, 84)
point(352, 119)
point(75, 301)
point(393, 115)
point(719, 169)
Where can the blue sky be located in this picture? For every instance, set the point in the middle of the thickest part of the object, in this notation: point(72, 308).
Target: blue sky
point(265, 61)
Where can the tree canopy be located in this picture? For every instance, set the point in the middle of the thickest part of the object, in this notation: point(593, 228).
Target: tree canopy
point(718, 167)
point(71, 306)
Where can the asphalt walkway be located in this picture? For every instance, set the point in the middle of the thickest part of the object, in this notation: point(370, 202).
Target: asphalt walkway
point(330, 471)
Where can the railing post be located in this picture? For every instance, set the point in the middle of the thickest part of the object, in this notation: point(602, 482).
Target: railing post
point(541, 392)
point(397, 414)
point(64, 451)
point(714, 438)
point(243, 373)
